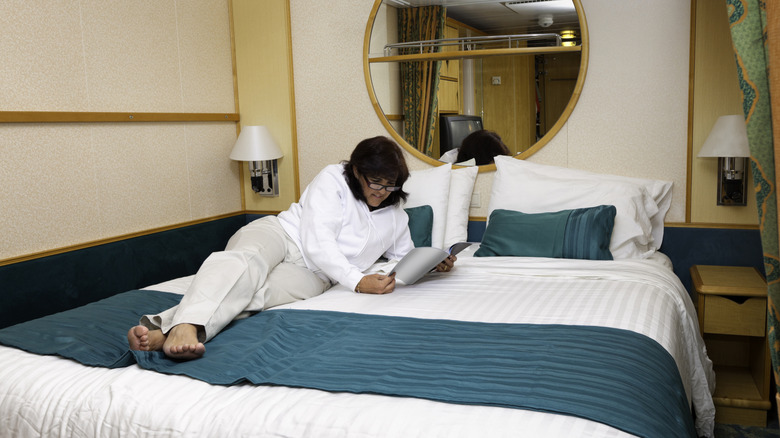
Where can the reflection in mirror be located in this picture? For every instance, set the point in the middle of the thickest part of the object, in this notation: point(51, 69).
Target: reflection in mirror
point(477, 149)
point(514, 68)
point(453, 129)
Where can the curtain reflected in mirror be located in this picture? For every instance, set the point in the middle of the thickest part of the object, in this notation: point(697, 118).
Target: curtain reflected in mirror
point(519, 76)
point(420, 80)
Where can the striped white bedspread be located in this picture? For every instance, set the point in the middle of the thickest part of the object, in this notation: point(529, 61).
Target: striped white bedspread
point(57, 397)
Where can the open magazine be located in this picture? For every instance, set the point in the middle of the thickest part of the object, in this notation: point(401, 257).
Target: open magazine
point(422, 260)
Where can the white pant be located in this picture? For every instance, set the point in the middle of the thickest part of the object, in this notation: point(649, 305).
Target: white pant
point(261, 267)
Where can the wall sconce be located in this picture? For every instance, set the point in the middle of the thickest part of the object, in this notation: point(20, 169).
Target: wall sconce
point(255, 145)
point(728, 141)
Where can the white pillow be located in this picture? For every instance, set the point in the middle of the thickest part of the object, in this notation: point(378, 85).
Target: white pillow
point(534, 188)
point(431, 187)
point(660, 191)
point(450, 156)
point(461, 186)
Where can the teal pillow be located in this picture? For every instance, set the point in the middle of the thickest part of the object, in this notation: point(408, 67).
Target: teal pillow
point(420, 224)
point(582, 233)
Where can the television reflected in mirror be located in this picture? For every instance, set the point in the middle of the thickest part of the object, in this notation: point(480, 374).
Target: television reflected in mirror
point(454, 128)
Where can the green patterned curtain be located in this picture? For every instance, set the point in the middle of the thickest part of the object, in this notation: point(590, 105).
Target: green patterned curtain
point(748, 22)
point(420, 80)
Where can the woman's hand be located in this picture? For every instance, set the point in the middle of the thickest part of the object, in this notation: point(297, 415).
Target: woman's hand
point(447, 264)
point(376, 284)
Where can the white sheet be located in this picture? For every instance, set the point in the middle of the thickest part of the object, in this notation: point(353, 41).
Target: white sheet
point(58, 397)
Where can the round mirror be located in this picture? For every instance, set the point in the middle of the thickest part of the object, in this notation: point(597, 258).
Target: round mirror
point(438, 70)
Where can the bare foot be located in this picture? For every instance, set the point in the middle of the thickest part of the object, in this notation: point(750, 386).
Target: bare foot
point(143, 339)
point(182, 343)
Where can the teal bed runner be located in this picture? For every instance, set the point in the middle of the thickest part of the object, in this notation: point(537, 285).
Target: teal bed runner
point(612, 376)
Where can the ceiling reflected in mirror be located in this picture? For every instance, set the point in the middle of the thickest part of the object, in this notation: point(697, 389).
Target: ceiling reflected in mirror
point(494, 18)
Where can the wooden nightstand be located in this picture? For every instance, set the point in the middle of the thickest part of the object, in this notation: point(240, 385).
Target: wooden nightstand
point(732, 310)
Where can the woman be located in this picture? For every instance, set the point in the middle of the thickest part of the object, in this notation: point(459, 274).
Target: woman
point(347, 218)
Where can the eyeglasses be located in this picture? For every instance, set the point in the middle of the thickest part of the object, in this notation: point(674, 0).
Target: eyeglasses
point(377, 186)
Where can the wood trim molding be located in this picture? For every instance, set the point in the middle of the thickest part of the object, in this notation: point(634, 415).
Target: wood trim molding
point(111, 117)
point(293, 116)
point(235, 97)
point(709, 225)
point(263, 212)
point(691, 83)
point(467, 54)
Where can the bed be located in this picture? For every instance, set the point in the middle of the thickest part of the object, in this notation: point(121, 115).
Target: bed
point(562, 306)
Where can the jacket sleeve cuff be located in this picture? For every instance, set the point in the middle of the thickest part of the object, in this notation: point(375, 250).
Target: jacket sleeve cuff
point(352, 279)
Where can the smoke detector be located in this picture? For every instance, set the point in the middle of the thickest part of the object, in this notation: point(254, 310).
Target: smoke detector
point(545, 20)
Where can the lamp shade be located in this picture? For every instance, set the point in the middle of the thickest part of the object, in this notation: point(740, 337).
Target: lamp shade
point(255, 143)
point(728, 138)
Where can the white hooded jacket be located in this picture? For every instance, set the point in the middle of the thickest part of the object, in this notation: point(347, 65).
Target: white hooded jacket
point(338, 235)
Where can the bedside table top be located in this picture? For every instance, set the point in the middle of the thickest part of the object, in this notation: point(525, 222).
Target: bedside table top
point(728, 280)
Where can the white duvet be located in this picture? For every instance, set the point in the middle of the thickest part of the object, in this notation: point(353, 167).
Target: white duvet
point(54, 397)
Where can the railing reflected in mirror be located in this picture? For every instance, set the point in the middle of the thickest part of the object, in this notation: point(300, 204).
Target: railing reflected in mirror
point(518, 66)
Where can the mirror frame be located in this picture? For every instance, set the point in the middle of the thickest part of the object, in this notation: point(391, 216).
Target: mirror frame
point(552, 132)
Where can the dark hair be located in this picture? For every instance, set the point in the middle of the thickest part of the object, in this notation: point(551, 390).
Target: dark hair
point(377, 157)
point(482, 146)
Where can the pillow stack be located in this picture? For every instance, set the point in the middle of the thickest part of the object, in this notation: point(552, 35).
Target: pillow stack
point(640, 204)
point(542, 211)
point(447, 192)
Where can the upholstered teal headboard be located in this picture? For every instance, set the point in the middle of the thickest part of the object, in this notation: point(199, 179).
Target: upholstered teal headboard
point(47, 285)
point(60, 282)
point(711, 246)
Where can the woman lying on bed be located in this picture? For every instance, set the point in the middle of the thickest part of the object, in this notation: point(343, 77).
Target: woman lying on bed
point(347, 218)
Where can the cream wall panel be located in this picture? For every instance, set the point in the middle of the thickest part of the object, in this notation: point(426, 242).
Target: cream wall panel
point(213, 177)
point(190, 177)
point(41, 56)
point(66, 184)
point(632, 116)
point(143, 170)
point(48, 191)
point(98, 55)
point(132, 55)
point(77, 183)
point(331, 100)
point(630, 120)
point(206, 63)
